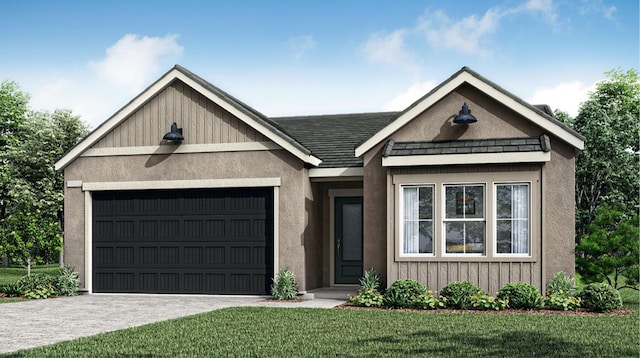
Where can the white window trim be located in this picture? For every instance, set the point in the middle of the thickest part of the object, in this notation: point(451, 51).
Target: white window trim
point(401, 220)
point(443, 218)
point(495, 217)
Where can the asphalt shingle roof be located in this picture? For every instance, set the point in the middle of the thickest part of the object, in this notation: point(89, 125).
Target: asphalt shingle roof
point(499, 145)
point(333, 138)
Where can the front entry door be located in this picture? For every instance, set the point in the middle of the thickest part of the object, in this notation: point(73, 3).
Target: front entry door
point(348, 240)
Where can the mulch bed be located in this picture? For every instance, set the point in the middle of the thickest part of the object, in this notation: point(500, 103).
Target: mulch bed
point(543, 312)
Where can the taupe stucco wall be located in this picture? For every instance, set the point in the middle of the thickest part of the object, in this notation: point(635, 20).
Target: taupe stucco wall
point(222, 165)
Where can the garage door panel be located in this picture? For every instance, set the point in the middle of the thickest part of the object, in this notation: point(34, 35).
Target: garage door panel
point(214, 241)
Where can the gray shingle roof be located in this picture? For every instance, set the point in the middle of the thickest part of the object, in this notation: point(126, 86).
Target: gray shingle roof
point(499, 145)
point(333, 138)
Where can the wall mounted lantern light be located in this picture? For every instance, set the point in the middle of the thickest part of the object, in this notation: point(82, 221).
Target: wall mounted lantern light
point(464, 117)
point(175, 135)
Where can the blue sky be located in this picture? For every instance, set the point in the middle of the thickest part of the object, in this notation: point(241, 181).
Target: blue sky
point(312, 57)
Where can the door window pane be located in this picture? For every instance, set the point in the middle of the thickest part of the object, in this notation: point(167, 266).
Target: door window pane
point(352, 232)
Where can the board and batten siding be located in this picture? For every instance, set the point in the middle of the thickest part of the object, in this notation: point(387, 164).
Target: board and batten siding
point(202, 121)
point(488, 272)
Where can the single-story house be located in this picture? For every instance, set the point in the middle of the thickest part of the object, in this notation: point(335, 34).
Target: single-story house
point(186, 189)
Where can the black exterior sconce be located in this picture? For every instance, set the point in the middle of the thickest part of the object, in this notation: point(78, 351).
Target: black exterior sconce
point(175, 135)
point(465, 116)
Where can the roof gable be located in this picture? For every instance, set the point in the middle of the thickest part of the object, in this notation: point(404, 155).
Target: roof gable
point(466, 75)
point(246, 114)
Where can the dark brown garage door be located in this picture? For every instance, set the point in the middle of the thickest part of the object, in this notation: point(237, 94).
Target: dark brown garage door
point(183, 241)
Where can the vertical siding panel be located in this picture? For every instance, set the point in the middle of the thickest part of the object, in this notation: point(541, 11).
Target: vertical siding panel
point(442, 274)
point(217, 128)
point(162, 116)
point(201, 111)
point(505, 274)
point(483, 276)
point(208, 122)
point(432, 276)
point(178, 97)
point(453, 271)
point(225, 126)
point(132, 133)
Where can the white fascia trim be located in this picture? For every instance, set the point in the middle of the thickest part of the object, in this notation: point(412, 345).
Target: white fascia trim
point(307, 158)
point(181, 149)
point(484, 87)
point(156, 87)
point(183, 184)
point(478, 158)
point(335, 172)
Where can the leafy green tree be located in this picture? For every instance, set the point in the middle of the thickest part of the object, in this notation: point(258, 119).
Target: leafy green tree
point(31, 237)
point(30, 143)
point(13, 111)
point(611, 249)
point(607, 169)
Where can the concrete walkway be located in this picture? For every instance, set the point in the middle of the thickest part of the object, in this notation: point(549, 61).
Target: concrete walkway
point(29, 324)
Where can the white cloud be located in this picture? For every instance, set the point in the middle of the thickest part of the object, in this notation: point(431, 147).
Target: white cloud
point(389, 48)
point(133, 60)
point(301, 45)
point(412, 94)
point(546, 7)
point(565, 96)
point(466, 35)
point(98, 90)
point(597, 6)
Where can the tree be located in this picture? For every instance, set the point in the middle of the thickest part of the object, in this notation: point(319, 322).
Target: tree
point(31, 238)
point(607, 169)
point(610, 250)
point(31, 191)
point(13, 110)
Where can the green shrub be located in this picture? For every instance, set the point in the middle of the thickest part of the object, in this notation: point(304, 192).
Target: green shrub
point(39, 292)
point(402, 293)
point(561, 283)
point(427, 301)
point(31, 282)
point(367, 298)
point(600, 297)
point(562, 301)
point(521, 295)
point(370, 280)
point(67, 283)
point(458, 294)
point(10, 290)
point(284, 285)
point(486, 302)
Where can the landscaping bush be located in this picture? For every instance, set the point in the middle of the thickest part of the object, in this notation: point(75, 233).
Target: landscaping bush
point(367, 298)
point(10, 290)
point(284, 285)
point(402, 293)
point(562, 301)
point(370, 280)
point(486, 302)
point(427, 301)
point(521, 295)
point(31, 282)
point(600, 297)
point(458, 294)
point(67, 283)
point(561, 283)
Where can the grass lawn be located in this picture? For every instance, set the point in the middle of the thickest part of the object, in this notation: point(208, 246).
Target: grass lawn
point(11, 274)
point(293, 332)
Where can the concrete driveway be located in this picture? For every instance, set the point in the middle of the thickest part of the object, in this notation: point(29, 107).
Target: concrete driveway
point(29, 324)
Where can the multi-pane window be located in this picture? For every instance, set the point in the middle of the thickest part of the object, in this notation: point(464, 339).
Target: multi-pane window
point(512, 218)
point(464, 220)
point(417, 220)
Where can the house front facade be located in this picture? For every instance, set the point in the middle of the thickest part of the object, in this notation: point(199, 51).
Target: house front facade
point(218, 203)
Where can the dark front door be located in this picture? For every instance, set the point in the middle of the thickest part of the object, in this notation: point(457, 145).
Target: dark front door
point(211, 241)
point(348, 240)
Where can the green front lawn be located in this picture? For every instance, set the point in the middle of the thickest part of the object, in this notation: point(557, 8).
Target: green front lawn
point(293, 332)
point(11, 274)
